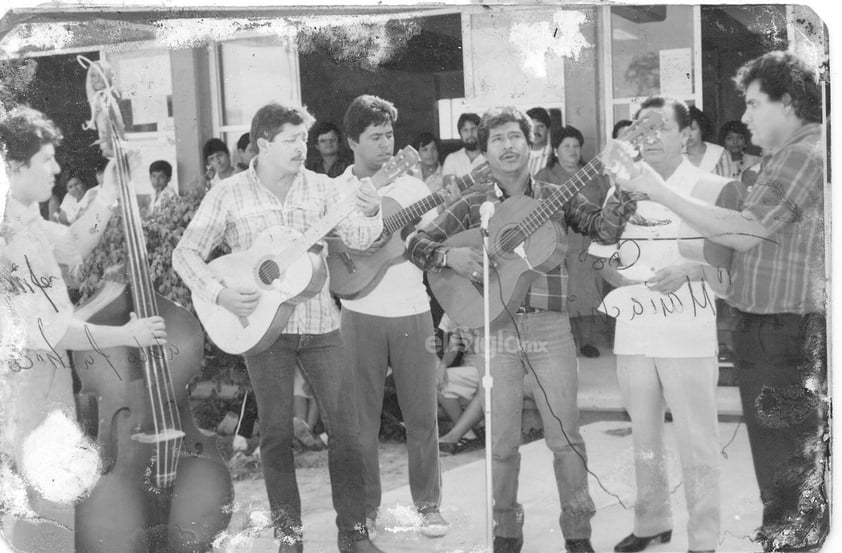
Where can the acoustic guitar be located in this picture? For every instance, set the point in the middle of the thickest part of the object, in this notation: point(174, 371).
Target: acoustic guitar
point(523, 241)
point(286, 266)
point(355, 273)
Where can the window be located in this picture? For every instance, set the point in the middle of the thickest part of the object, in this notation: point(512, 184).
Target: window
point(251, 73)
point(653, 52)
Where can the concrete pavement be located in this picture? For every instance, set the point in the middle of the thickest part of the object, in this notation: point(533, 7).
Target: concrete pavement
point(612, 486)
point(610, 453)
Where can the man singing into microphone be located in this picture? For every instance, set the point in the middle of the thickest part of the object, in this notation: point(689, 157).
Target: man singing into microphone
point(549, 371)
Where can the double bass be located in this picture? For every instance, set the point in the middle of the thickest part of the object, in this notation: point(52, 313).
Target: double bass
point(164, 486)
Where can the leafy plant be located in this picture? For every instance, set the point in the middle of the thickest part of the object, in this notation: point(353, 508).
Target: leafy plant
point(163, 229)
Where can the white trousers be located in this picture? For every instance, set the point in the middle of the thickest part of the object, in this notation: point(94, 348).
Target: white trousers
point(688, 386)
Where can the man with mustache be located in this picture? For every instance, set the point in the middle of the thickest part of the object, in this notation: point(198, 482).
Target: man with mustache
point(550, 374)
point(778, 289)
point(461, 162)
point(276, 190)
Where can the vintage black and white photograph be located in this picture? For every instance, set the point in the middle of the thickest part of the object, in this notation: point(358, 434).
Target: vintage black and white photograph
point(415, 277)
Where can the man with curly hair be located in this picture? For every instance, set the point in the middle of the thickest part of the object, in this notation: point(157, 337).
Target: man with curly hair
point(778, 290)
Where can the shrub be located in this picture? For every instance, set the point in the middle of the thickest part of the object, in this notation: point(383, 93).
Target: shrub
point(163, 229)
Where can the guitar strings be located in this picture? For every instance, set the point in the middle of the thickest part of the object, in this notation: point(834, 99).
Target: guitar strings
point(144, 303)
point(549, 206)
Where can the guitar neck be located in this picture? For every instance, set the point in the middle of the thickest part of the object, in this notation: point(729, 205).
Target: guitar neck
point(333, 217)
point(402, 218)
point(556, 201)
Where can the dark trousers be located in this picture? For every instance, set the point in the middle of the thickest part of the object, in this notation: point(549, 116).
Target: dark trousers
point(272, 373)
point(776, 357)
point(372, 344)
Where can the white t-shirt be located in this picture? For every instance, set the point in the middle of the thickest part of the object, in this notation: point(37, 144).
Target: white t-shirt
point(70, 207)
point(647, 246)
point(86, 200)
point(711, 157)
point(458, 163)
point(401, 292)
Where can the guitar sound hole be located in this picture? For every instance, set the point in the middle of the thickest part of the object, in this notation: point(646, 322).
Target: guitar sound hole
point(269, 272)
point(510, 239)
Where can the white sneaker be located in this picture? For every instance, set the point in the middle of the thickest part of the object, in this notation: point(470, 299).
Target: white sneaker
point(433, 525)
point(371, 527)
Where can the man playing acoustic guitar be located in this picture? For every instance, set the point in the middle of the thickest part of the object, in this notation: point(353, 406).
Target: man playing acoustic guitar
point(391, 327)
point(276, 190)
point(505, 137)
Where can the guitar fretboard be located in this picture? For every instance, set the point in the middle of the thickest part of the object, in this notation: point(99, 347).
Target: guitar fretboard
point(395, 167)
point(553, 203)
point(402, 218)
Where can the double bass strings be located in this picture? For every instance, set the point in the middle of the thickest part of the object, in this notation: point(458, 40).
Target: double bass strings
point(166, 418)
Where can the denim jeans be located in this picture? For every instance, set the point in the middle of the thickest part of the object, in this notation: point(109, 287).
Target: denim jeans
point(548, 366)
point(372, 344)
point(780, 353)
point(272, 373)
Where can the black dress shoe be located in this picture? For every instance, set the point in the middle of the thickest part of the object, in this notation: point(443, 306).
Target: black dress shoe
point(290, 546)
point(589, 351)
point(578, 546)
point(632, 543)
point(507, 545)
point(360, 546)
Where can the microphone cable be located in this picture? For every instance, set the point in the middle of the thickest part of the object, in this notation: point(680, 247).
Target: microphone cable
point(525, 357)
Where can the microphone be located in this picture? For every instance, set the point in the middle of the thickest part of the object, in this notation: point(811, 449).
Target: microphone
point(486, 212)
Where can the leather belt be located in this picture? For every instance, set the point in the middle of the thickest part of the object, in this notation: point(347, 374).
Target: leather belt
point(524, 309)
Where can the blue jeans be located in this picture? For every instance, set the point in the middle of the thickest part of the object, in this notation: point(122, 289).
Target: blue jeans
point(272, 373)
point(777, 355)
point(373, 344)
point(549, 362)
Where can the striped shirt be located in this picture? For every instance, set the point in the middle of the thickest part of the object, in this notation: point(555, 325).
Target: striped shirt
point(538, 159)
point(785, 273)
point(548, 291)
point(235, 212)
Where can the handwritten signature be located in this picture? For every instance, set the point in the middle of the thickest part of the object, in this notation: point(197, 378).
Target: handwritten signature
point(23, 361)
point(30, 283)
point(662, 307)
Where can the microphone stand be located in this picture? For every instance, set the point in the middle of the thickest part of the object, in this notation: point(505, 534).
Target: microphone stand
point(486, 211)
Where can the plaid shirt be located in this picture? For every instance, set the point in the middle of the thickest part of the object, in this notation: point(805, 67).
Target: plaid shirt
point(785, 274)
point(235, 212)
point(548, 291)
